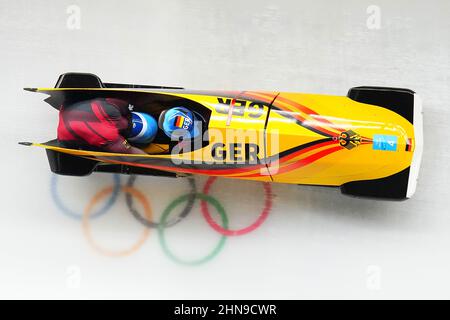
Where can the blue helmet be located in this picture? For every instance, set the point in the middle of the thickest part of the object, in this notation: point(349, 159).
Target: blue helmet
point(178, 122)
point(144, 128)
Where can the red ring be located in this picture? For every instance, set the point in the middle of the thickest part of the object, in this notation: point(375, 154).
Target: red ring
point(240, 232)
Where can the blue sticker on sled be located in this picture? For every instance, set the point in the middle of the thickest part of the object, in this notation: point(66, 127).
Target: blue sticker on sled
point(384, 142)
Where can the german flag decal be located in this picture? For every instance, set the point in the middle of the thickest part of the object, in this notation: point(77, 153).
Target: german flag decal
point(408, 145)
point(179, 121)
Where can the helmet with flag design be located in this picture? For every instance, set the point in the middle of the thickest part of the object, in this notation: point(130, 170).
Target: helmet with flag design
point(178, 122)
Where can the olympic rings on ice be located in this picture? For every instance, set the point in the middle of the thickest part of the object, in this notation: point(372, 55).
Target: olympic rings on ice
point(186, 210)
point(102, 210)
point(100, 195)
point(145, 217)
point(224, 230)
point(165, 216)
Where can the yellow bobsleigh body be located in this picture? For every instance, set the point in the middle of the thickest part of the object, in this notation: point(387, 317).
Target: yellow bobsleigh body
point(369, 142)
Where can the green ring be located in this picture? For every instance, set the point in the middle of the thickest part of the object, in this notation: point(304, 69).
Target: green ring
point(166, 214)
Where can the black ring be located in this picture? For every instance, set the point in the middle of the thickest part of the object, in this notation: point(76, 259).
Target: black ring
point(150, 224)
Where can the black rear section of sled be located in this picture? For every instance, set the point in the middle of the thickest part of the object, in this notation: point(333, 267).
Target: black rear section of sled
point(89, 80)
point(400, 101)
point(70, 165)
point(79, 80)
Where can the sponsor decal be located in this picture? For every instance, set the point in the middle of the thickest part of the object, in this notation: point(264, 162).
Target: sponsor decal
point(240, 108)
point(385, 142)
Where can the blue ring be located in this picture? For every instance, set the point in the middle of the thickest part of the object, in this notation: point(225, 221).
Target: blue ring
point(72, 214)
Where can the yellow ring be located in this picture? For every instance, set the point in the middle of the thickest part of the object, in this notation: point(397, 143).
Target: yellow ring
point(87, 229)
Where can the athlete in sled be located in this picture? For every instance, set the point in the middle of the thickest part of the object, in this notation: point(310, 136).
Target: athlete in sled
point(368, 143)
point(108, 124)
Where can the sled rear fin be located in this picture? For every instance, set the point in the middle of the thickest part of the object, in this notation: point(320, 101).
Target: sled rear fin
point(70, 165)
point(89, 80)
point(92, 152)
point(79, 80)
point(74, 162)
point(89, 86)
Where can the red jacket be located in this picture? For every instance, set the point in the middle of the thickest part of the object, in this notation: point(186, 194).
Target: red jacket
point(97, 122)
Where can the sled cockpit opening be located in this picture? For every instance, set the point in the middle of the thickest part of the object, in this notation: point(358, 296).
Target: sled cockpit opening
point(156, 104)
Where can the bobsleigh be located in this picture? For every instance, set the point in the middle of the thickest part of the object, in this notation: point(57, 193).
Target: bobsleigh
point(368, 143)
